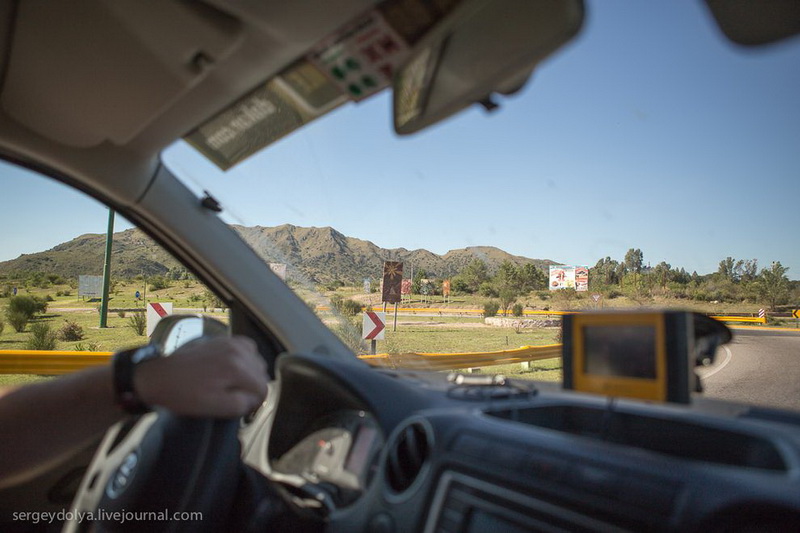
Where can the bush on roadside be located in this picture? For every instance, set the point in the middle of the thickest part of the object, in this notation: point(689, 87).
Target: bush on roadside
point(346, 307)
point(70, 331)
point(90, 346)
point(2, 325)
point(159, 282)
point(41, 337)
point(351, 308)
point(517, 310)
point(490, 308)
point(18, 320)
point(138, 323)
point(26, 305)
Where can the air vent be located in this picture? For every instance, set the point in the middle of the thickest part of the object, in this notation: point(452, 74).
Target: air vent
point(407, 456)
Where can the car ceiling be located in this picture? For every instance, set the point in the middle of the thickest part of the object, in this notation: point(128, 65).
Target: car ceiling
point(95, 90)
point(87, 82)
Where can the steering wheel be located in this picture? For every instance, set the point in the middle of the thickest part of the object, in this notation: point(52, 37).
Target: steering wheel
point(161, 472)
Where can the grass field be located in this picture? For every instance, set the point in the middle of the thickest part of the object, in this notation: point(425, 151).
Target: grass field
point(438, 334)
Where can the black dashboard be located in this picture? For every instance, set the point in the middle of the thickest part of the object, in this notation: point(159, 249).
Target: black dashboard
point(407, 451)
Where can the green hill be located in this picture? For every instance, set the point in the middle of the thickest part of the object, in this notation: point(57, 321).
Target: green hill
point(319, 254)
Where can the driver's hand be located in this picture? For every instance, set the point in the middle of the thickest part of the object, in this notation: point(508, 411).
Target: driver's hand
point(221, 378)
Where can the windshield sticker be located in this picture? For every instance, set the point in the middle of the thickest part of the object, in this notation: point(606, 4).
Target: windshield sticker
point(257, 120)
point(362, 58)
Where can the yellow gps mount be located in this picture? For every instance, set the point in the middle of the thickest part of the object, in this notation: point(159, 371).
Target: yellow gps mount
point(642, 355)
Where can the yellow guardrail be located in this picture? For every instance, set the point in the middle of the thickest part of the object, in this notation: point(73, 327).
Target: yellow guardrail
point(455, 311)
point(454, 361)
point(47, 363)
point(750, 319)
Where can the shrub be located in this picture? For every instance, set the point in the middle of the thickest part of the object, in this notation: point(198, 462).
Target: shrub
point(350, 335)
point(26, 305)
point(158, 283)
point(2, 326)
point(487, 289)
point(517, 310)
point(17, 320)
point(346, 307)
point(70, 331)
point(351, 308)
point(138, 323)
point(89, 346)
point(211, 300)
point(490, 308)
point(48, 298)
point(41, 338)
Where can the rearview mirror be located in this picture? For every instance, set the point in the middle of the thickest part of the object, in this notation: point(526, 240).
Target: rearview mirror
point(482, 47)
point(174, 331)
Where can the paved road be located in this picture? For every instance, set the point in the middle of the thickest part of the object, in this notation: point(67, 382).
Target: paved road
point(758, 367)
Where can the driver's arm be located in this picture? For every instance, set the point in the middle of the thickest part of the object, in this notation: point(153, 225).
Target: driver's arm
point(43, 422)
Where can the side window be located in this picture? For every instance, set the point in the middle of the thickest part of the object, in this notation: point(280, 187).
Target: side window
point(52, 255)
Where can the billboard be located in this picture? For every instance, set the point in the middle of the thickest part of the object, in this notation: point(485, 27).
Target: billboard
point(91, 286)
point(405, 287)
point(569, 277)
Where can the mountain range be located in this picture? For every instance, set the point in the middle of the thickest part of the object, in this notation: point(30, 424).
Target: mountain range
point(317, 254)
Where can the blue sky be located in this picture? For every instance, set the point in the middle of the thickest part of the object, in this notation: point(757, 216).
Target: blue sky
point(648, 131)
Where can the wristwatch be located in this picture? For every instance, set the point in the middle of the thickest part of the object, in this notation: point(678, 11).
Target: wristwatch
point(124, 366)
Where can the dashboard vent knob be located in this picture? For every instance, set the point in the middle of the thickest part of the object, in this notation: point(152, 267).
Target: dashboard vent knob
point(407, 455)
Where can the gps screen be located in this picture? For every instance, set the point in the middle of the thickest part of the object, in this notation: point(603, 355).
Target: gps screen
point(624, 351)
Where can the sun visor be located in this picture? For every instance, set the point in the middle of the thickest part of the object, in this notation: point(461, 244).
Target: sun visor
point(134, 64)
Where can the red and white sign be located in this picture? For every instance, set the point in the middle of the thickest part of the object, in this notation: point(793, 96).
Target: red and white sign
point(373, 326)
point(155, 312)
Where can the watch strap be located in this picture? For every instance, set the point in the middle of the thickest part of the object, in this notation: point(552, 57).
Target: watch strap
point(124, 367)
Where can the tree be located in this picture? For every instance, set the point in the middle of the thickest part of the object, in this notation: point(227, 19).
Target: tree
point(531, 278)
point(634, 259)
point(604, 273)
point(471, 277)
point(773, 285)
point(662, 273)
point(747, 270)
point(727, 268)
point(416, 283)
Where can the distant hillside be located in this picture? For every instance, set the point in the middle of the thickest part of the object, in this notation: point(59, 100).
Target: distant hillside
point(320, 254)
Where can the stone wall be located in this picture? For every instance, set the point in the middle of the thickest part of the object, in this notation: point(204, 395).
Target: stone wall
point(513, 322)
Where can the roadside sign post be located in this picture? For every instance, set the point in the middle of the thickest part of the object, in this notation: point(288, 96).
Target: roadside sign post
point(373, 326)
point(796, 315)
point(107, 270)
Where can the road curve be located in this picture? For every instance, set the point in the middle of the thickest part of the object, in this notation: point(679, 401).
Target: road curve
point(759, 366)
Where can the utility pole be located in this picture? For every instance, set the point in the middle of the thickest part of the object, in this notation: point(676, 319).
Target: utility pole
point(107, 270)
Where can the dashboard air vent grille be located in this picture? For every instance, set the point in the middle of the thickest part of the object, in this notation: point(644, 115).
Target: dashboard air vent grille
point(407, 455)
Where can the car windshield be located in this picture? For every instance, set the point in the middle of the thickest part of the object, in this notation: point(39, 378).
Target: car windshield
point(648, 163)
